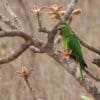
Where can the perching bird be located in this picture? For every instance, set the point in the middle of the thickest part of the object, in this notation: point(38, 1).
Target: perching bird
point(71, 43)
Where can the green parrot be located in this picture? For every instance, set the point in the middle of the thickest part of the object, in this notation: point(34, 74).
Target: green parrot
point(70, 42)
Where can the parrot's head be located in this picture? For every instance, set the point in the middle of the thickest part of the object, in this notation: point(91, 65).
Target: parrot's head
point(63, 30)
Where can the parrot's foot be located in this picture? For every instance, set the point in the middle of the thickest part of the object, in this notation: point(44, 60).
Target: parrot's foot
point(64, 55)
point(82, 80)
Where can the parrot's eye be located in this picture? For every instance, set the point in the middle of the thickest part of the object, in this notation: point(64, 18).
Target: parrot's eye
point(63, 28)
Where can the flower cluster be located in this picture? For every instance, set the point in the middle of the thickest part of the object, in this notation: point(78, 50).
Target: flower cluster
point(25, 73)
point(55, 11)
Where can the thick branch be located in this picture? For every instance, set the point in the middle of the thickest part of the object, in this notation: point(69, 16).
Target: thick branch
point(16, 53)
point(35, 42)
point(70, 9)
point(71, 68)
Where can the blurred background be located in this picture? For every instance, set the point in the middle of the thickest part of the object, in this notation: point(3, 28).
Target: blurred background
point(48, 80)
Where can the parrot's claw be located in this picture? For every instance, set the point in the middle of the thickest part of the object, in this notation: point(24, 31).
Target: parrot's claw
point(64, 54)
point(64, 57)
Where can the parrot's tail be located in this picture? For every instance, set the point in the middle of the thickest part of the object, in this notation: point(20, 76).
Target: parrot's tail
point(81, 71)
point(83, 66)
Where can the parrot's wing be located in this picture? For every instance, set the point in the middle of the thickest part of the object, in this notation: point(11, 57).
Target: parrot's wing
point(74, 45)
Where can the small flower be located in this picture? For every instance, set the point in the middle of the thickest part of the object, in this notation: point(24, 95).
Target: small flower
point(38, 9)
point(25, 73)
point(54, 11)
point(77, 11)
point(55, 8)
point(65, 54)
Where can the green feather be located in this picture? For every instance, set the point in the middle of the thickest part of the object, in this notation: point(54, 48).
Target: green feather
point(70, 42)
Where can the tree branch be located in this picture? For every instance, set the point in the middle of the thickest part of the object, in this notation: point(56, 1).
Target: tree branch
point(14, 33)
point(70, 9)
point(16, 53)
point(8, 22)
point(41, 28)
point(96, 61)
point(13, 15)
point(89, 47)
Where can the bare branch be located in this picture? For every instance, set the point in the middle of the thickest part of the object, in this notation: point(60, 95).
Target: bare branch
point(92, 76)
point(88, 46)
point(96, 61)
point(8, 22)
point(35, 49)
point(41, 29)
point(35, 42)
point(13, 15)
point(70, 9)
point(37, 45)
point(16, 53)
point(14, 33)
point(27, 15)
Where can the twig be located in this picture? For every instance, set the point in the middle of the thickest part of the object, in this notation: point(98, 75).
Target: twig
point(8, 22)
point(89, 47)
point(29, 87)
point(16, 53)
point(30, 41)
point(25, 74)
point(90, 74)
point(96, 61)
point(41, 29)
point(13, 15)
point(29, 22)
point(35, 49)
